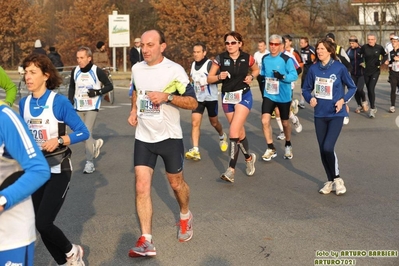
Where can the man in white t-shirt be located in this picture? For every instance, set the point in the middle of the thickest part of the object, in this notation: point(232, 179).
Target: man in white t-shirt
point(160, 87)
point(262, 51)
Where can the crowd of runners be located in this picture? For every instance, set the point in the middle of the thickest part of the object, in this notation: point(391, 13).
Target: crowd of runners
point(330, 77)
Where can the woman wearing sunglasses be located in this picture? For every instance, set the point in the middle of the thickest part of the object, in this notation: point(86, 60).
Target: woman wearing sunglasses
point(324, 90)
point(237, 71)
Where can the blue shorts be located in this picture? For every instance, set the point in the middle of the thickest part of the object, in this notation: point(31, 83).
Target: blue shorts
point(18, 256)
point(246, 100)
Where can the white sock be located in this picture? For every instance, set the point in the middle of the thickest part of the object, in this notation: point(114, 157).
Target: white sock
point(196, 149)
point(73, 251)
point(221, 137)
point(185, 216)
point(147, 237)
point(280, 125)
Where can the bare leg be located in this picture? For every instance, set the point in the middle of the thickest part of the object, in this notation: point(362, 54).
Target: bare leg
point(143, 197)
point(181, 190)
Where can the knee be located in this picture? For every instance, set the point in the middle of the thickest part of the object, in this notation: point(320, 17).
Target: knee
point(42, 225)
point(285, 123)
point(142, 188)
point(265, 121)
point(177, 184)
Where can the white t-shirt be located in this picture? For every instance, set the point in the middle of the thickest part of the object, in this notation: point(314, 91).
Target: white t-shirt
point(157, 122)
point(258, 57)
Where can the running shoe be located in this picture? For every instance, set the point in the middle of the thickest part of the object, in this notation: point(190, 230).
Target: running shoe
point(143, 248)
point(193, 155)
point(294, 106)
point(76, 259)
point(223, 143)
point(365, 106)
point(281, 136)
point(392, 109)
point(250, 170)
point(359, 109)
point(89, 168)
point(228, 175)
point(97, 146)
point(269, 154)
point(186, 229)
point(297, 125)
point(327, 188)
point(372, 112)
point(339, 186)
point(301, 105)
point(346, 120)
point(288, 153)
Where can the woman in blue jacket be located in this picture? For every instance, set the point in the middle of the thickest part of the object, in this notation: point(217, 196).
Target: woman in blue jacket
point(47, 115)
point(324, 90)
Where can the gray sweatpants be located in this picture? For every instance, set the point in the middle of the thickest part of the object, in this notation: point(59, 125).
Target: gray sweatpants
point(89, 118)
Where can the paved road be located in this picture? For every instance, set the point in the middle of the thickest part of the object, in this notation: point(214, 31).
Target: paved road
point(275, 217)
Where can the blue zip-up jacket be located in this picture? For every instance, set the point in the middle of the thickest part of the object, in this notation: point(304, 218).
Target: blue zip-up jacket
point(340, 75)
point(356, 59)
point(18, 141)
point(285, 65)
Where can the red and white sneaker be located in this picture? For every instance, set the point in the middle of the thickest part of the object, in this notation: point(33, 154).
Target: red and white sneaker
point(143, 248)
point(186, 229)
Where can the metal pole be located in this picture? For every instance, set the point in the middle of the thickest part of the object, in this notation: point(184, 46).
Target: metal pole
point(232, 14)
point(267, 22)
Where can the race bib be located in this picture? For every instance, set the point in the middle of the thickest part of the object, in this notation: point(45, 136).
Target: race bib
point(272, 86)
point(323, 88)
point(395, 66)
point(233, 97)
point(40, 131)
point(146, 107)
point(84, 102)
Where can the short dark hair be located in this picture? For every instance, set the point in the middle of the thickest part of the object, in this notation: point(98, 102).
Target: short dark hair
point(235, 35)
point(287, 37)
point(200, 44)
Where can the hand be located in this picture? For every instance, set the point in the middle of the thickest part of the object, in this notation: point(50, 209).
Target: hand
point(223, 75)
point(132, 119)
point(313, 102)
point(363, 65)
point(339, 104)
point(93, 93)
point(278, 75)
point(50, 145)
point(248, 79)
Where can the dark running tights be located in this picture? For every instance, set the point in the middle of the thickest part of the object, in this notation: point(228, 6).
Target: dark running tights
point(371, 82)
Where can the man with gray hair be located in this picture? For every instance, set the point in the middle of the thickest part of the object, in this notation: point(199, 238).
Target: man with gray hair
point(85, 92)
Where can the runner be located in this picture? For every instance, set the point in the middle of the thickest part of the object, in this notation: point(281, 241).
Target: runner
point(237, 71)
point(207, 97)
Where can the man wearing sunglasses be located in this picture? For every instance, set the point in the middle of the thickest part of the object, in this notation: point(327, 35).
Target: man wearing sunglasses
point(279, 71)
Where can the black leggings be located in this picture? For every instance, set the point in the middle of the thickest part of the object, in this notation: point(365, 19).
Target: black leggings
point(394, 81)
point(371, 81)
point(47, 202)
point(360, 96)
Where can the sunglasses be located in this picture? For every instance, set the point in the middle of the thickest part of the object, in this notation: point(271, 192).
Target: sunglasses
point(231, 43)
point(274, 44)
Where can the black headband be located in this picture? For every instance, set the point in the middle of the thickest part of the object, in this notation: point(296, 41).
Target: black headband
point(353, 40)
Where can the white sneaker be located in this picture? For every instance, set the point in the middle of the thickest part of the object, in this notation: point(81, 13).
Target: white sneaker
point(89, 168)
point(339, 186)
point(327, 188)
point(269, 154)
point(250, 170)
point(301, 105)
point(281, 136)
point(392, 109)
point(346, 120)
point(294, 106)
point(288, 153)
point(97, 146)
point(297, 125)
point(372, 113)
point(76, 259)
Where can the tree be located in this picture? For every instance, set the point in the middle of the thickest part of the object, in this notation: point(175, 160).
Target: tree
point(19, 29)
point(84, 23)
point(186, 22)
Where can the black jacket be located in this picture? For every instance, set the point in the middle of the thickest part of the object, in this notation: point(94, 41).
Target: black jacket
point(56, 60)
point(134, 56)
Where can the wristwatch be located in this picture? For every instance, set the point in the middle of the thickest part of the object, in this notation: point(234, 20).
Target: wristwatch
point(60, 141)
point(170, 98)
point(3, 201)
